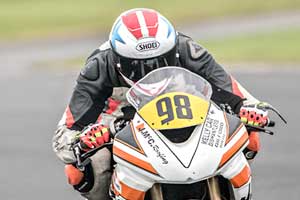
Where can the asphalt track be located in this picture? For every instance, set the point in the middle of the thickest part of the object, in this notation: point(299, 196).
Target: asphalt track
point(32, 104)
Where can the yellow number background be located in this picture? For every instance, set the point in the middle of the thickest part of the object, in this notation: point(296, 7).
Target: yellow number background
point(198, 106)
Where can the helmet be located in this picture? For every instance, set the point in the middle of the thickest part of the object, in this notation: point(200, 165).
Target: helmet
point(142, 40)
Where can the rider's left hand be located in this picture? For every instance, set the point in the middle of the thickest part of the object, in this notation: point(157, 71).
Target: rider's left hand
point(254, 114)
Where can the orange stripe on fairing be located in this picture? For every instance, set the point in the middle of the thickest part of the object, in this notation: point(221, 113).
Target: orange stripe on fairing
point(134, 160)
point(234, 149)
point(242, 178)
point(128, 145)
point(125, 191)
point(235, 88)
point(69, 119)
point(235, 132)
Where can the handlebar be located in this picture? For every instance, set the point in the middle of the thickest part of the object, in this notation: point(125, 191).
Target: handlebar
point(258, 129)
point(82, 159)
point(262, 129)
point(271, 123)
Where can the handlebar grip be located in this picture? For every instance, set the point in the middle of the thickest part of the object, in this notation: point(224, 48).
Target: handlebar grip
point(271, 123)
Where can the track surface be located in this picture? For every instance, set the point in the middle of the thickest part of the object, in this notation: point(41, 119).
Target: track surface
point(33, 100)
point(32, 104)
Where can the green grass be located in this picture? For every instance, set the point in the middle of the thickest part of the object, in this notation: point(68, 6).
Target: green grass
point(40, 18)
point(281, 47)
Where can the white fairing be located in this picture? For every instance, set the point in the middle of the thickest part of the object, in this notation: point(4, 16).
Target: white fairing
point(191, 161)
point(214, 147)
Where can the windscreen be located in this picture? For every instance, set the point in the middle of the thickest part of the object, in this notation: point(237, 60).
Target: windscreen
point(165, 80)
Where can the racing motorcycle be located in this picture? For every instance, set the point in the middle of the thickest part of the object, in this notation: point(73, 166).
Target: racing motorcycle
point(179, 144)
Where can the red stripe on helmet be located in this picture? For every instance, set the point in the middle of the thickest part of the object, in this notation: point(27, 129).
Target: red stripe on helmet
point(132, 23)
point(151, 19)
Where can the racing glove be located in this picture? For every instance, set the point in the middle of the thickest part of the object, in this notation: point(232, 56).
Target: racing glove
point(254, 114)
point(94, 136)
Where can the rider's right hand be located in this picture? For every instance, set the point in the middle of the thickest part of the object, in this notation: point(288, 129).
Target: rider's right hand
point(94, 136)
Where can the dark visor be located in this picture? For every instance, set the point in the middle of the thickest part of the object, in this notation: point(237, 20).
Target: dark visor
point(135, 69)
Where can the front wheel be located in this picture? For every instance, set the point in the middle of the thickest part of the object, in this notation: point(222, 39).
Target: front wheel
point(216, 188)
point(225, 188)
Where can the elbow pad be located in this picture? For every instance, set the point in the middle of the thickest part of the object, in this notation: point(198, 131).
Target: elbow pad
point(62, 144)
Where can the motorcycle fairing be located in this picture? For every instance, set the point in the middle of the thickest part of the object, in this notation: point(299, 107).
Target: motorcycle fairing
point(234, 125)
point(236, 138)
point(201, 156)
point(127, 137)
point(213, 148)
point(238, 172)
point(233, 148)
point(126, 149)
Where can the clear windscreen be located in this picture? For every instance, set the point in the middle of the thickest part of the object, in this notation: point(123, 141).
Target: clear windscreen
point(165, 80)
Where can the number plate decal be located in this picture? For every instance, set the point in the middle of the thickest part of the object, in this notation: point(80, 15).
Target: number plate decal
point(174, 110)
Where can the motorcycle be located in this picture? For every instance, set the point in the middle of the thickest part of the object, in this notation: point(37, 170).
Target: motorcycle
point(179, 144)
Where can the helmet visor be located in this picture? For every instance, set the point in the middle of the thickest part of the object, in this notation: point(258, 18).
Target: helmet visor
point(135, 69)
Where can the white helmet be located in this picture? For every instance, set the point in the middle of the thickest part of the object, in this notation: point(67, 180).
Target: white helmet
point(142, 40)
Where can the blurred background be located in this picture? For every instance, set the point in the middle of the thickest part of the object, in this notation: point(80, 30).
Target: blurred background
point(43, 45)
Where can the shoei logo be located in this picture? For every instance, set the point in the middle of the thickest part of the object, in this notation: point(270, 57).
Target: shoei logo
point(146, 46)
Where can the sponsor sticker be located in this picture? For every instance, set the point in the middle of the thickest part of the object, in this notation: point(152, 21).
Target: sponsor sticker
point(212, 134)
point(147, 46)
point(152, 143)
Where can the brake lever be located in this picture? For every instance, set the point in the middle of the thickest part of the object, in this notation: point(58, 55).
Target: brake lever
point(80, 164)
point(94, 150)
point(83, 159)
point(260, 129)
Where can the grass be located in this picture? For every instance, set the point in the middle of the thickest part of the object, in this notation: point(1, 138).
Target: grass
point(278, 48)
point(40, 18)
point(281, 47)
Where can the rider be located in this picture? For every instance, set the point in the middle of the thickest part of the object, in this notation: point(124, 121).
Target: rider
point(141, 40)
